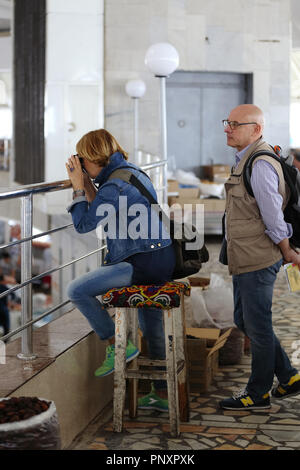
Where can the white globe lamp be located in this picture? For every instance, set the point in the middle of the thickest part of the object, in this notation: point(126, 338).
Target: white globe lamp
point(162, 60)
point(135, 89)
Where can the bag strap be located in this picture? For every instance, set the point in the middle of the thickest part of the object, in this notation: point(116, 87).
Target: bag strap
point(129, 177)
point(289, 174)
point(247, 170)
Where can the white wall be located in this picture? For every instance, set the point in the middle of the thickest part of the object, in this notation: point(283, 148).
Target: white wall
point(74, 83)
point(246, 36)
point(5, 53)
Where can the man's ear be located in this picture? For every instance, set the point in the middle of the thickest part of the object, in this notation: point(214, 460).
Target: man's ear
point(258, 129)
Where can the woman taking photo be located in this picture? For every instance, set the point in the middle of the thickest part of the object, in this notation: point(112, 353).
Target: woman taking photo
point(130, 259)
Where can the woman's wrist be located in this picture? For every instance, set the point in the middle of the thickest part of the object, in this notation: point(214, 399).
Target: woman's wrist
point(78, 187)
point(78, 193)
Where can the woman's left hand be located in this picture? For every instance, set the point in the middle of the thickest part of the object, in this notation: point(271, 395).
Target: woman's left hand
point(75, 173)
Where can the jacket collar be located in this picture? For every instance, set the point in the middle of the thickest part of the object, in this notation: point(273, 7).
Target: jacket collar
point(247, 152)
point(116, 160)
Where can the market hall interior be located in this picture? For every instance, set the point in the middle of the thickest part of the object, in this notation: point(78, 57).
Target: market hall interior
point(82, 68)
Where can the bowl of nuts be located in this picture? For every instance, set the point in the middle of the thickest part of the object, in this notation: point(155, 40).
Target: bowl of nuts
point(28, 423)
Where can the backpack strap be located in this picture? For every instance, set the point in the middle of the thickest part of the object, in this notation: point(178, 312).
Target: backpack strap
point(289, 174)
point(247, 170)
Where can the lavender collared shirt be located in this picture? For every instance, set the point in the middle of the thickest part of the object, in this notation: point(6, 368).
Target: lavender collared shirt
point(265, 183)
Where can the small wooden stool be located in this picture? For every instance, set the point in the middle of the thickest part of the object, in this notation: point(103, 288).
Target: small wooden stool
point(126, 301)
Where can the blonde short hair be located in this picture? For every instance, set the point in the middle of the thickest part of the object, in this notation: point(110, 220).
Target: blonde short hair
point(97, 147)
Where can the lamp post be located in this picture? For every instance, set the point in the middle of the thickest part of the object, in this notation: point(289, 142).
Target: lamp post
point(135, 89)
point(162, 60)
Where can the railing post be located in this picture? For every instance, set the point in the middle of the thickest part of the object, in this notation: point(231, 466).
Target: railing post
point(163, 118)
point(26, 274)
point(60, 274)
point(102, 253)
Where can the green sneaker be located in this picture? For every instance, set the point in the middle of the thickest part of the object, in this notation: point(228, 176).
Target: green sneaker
point(131, 351)
point(153, 402)
point(108, 365)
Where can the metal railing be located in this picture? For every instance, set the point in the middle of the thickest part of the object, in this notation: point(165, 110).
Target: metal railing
point(26, 193)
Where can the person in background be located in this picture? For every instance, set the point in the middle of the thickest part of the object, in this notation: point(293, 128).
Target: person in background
point(255, 246)
point(296, 155)
point(129, 260)
point(41, 302)
point(4, 312)
point(15, 250)
point(7, 268)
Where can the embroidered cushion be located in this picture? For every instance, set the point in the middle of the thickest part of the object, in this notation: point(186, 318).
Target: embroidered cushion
point(166, 296)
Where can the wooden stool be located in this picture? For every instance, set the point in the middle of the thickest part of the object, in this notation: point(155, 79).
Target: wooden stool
point(126, 301)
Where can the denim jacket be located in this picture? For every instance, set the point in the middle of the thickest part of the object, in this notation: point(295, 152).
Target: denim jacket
point(117, 207)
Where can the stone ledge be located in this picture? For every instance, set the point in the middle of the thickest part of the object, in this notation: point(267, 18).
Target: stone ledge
point(68, 353)
point(49, 342)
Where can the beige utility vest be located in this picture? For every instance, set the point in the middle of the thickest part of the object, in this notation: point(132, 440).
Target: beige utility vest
point(248, 246)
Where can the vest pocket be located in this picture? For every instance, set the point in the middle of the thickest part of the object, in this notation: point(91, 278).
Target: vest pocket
point(249, 251)
point(246, 228)
point(243, 208)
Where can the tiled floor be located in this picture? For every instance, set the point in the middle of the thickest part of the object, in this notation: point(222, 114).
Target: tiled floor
point(210, 428)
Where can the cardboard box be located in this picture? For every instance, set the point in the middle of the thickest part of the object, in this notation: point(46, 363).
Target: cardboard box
point(213, 205)
point(173, 186)
point(197, 281)
point(183, 200)
point(203, 346)
point(210, 205)
point(189, 192)
point(202, 357)
point(209, 171)
point(174, 190)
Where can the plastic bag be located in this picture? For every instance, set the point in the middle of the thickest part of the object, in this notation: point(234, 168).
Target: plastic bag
point(211, 189)
point(219, 302)
point(41, 432)
point(186, 177)
point(196, 314)
point(212, 307)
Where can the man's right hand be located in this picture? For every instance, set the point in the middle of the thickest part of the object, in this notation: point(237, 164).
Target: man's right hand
point(290, 255)
point(293, 257)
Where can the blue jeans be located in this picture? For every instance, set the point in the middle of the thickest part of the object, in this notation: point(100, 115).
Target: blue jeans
point(83, 291)
point(253, 294)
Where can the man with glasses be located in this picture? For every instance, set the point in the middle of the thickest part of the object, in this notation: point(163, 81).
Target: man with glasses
point(255, 245)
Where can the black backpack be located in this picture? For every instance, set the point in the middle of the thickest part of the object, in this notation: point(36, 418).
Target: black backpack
point(292, 179)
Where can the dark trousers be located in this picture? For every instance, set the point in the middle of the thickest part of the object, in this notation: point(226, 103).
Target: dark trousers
point(4, 319)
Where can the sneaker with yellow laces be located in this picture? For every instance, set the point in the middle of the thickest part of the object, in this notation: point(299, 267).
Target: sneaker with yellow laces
point(289, 389)
point(243, 401)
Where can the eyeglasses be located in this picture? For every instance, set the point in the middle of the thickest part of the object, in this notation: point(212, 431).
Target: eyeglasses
point(234, 124)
